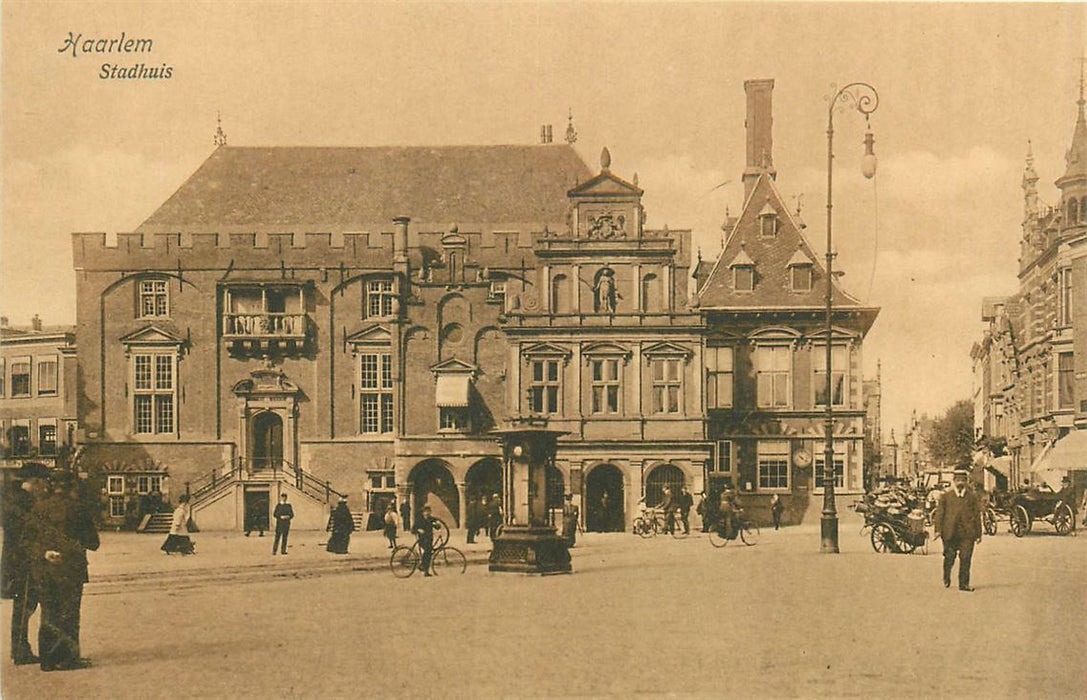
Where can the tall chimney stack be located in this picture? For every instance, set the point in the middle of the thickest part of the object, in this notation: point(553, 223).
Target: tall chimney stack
point(760, 138)
point(36, 322)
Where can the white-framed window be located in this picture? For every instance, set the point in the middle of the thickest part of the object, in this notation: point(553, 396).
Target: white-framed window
point(497, 291)
point(143, 485)
point(1064, 299)
point(723, 458)
point(453, 419)
point(154, 299)
point(379, 298)
point(839, 373)
point(47, 376)
point(605, 386)
point(800, 277)
point(774, 371)
point(47, 439)
point(719, 377)
point(376, 393)
point(156, 483)
point(19, 438)
point(545, 387)
point(768, 225)
point(819, 462)
point(154, 393)
point(115, 485)
point(773, 464)
point(743, 278)
point(667, 377)
point(20, 377)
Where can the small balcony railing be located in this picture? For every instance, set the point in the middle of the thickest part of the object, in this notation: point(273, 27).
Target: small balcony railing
point(265, 325)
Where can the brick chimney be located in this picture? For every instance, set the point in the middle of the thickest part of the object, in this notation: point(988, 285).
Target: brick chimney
point(36, 322)
point(760, 138)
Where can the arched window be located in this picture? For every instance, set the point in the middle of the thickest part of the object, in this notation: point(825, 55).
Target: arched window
point(560, 299)
point(666, 475)
point(651, 293)
point(1073, 211)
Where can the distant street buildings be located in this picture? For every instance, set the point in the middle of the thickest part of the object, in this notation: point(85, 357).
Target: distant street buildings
point(1030, 366)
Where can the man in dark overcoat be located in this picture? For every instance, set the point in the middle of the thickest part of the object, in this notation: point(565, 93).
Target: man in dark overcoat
point(283, 514)
point(16, 584)
point(61, 531)
point(686, 502)
point(958, 522)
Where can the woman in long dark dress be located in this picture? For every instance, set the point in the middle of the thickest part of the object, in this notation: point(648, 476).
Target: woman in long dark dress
point(342, 525)
point(178, 539)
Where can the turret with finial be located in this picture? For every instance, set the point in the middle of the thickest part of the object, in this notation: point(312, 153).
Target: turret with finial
point(220, 135)
point(571, 132)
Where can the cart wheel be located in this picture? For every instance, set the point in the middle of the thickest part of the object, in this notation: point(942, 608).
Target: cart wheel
point(1063, 519)
point(903, 545)
point(883, 539)
point(990, 522)
point(1019, 521)
point(717, 536)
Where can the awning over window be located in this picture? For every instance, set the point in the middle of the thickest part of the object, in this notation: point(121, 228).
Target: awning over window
point(452, 391)
point(1069, 453)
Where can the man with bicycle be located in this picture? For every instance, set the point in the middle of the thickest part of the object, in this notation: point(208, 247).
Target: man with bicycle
point(424, 532)
point(668, 506)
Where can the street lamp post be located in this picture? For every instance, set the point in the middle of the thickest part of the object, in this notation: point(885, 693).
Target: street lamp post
point(865, 99)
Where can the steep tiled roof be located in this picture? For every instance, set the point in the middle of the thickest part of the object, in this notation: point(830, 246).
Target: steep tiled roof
point(771, 255)
point(340, 188)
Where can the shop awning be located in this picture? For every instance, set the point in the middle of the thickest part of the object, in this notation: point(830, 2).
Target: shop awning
point(1040, 463)
point(1069, 453)
point(452, 390)
point(1000, 465)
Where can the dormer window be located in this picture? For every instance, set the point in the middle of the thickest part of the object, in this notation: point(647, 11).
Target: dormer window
point(800, 272)
point(768, 222)
point(743, 272)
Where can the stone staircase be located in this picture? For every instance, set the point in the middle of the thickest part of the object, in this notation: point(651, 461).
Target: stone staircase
point(155, 524)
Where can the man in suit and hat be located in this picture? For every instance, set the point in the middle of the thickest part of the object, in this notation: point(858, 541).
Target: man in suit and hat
point(61, 531)
point(15, 568)
point(958, 523)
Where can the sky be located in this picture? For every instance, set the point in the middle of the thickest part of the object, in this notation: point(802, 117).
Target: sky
point(962, 88)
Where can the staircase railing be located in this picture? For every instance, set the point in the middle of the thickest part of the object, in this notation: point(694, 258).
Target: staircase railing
point(217, 479)
point(233, 470)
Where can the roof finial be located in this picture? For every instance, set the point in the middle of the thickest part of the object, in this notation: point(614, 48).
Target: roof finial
point(605, 159)
point(220, 135)
point(635, 180)
point(571, 132)
point(1082, 77)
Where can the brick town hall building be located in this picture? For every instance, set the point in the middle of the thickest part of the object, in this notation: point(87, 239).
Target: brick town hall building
point(356, 320)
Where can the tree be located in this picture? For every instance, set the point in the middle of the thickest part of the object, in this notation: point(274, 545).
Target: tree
point(951, 441)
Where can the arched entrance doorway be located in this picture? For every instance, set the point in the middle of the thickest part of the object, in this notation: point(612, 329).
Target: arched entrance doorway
point(604, 499)
point(432, 484)
point(665, 475)
point(266, 447)
point(483, 481)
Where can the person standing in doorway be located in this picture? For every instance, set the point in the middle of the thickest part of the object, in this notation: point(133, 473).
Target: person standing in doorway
point(390, 525)
point(256, 516)
point(776, 509)
point(342, 525)
point(283, 514)
point(958, 523)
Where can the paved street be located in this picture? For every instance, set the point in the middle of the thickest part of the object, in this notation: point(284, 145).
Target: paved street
point(651, 617)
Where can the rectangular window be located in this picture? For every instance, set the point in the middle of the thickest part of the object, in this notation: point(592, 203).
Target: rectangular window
point(801, 277)
point(116, 506)
point(379, 299)
point(153, 299)
point(719, 372)
point(819, 464)
point(773, 462)
point(774, 370)
point(723, 461)
point(838, 373)
point(153, 400)
point(47, 377)
point(19, 439)
point(743, 278)
point(605, 386)
point(498, 290)
point(1064, 311)
point(376, 413)
point(768, 225)
point(20, 377)
point(453, 418)
point(1066, 380)
point(115, 485)
point(544, 386)
point(156, 484)
point(47, 439)
point(667, 385)
point(143, 485)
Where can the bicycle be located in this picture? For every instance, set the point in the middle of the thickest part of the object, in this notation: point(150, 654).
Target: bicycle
point(747, 531)
point(445, 558)
point(652, 521)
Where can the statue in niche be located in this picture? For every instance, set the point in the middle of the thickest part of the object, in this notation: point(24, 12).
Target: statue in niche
point(607, 225)
point(604, 289)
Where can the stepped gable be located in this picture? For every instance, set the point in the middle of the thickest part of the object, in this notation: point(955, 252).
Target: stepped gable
point(340, 188)
point(771, 257)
